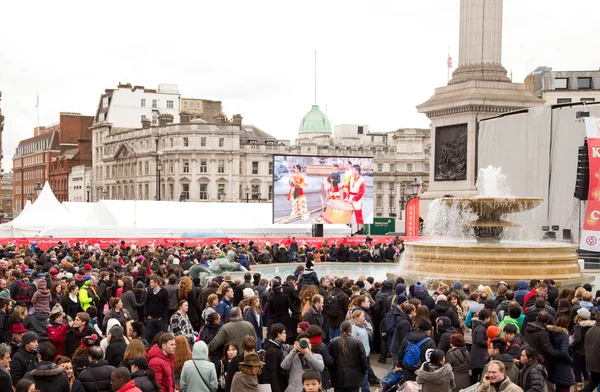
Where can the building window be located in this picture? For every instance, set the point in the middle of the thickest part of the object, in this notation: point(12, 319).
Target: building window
point(143, 117)
point(186, 142)
point(254, 167)
point(140, 191)
point(202, 142)
point(392, 186)
point(221, 167)
point(379, 186)
point(126, 170)
point(185, 191)
point(391, 202)
point(563, 100)
point(379, 167)
point(143, 102)
point(146, 168)
point(154, 120)
point(270, 192)
point(409, 167)
point(379, 201)
point(427, 168)
point(588, 99)
point(154, 104)
point(171, 191)
point(146, 192)
point(169, 104)
point(203, 191)
point(186, 165)
point(561, 83)
point(255, 192)
point(220, 189)
point(392, 168)
point(360, 130)
point(105, 102)
point(171, 167)
point(270, 168)
point(240, 168)
point(171, 141)
point(203, 166)
point(101, 117)
point(139, 173)
point(197, 105)
point(584, 83)
point(221, 141)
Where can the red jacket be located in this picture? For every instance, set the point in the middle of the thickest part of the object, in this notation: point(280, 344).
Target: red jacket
point(130, 387)
point(57, 336)
point(164, 368)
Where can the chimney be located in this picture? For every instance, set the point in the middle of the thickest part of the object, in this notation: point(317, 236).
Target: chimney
point(165, 119)
point(236, 119)
point(220, 119)
point(146, 123)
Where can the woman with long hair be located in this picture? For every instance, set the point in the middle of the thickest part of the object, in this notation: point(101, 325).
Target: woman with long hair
point(306, 294)
point(130, 303)
point(180, 324)
point(563, 308)
point(182, 354)
point(211, 306)
point(456, 306)
point(564, 294)
point(436, 375)
point(74, 383)
point(70, 302)
point(116, 312)
point(349, 359)
point(422, 314)
point(363, 331)
point(186, 292)
point(533, 376)
point(222, 365)
point(55, 294)
point(560, 368)
point(254, 316)
point(221, 288)
point(134, 350)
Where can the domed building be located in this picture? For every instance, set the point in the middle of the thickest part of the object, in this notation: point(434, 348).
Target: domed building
point(316, 126)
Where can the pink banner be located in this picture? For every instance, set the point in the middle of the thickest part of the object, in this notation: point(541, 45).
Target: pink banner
point(45, 243)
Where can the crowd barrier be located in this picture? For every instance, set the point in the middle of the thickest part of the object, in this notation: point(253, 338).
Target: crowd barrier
point(45, 243)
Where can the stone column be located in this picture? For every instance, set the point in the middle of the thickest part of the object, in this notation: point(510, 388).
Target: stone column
point(480, 50)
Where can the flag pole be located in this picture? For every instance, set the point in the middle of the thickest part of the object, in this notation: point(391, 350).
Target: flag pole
point(37, 105)
point(448, 65)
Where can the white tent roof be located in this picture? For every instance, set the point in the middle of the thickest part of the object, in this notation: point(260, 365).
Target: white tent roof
point(46, 211)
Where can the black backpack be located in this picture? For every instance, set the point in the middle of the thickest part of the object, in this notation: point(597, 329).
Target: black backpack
point(24, 292)
point(332, 306)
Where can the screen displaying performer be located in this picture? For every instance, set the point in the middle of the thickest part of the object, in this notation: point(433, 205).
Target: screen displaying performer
point(328, 190)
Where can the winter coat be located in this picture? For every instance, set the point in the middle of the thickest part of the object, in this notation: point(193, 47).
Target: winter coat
point(192, 312)
point(460, 360)
point(232, 333)
point(256, 320)
point(295, 364)
point(479, 354)
point(37, 323)
point(425, 299)
point(244, 382)
point(532, 377)
point(115, 351)
point(560, 368)
point(439, 379)
point(207, 334)
point(224, 310)
point(131, 304)
point(415, 337)
point(592, 348)
point(403, 327)
point(442, 308)
point(443, 338)
point(579, 331)
point(73, 339)
point(69, 307)
point(85, 299)
point(309, 278)
point(197, 374)
point(277, 310)
point(96, 377)
point(505, 386)
point(521, 290)
point(4, 328)
point(141, 380)
point(57, 334)
point(180, 325)
point(5, 380)
point(538, 337)
point(515, 346)
point(22, 362)
point(41, 300)
point(163, 367)
point(314, 317)
point(347, 372)
point(129, 387)
point(362, 333)
point(343, 302)
point(49, 377)
point(275, 375)
point(511, 370)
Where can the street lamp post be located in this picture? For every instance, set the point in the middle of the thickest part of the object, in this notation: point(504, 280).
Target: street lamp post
point(414, 192)
point(88, 188)
point(247, 194)
point(37, 189)
point(159, 168)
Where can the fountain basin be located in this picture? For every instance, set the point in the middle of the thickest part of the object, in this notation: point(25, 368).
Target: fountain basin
point(473, 263)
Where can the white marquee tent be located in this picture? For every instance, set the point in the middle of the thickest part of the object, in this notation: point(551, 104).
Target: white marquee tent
point(47, 217)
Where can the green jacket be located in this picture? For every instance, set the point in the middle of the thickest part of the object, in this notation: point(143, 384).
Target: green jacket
point(84, 296)
point(509, 320)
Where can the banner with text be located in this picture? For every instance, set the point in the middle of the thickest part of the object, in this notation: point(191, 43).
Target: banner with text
point(590, 235)
point(412, 224)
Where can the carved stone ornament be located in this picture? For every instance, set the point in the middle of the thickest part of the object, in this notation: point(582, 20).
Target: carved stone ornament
point(451, 153)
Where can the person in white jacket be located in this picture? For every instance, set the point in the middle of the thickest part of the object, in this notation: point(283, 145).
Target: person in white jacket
point(198, 374)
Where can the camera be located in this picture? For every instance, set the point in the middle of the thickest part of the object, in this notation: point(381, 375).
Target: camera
point(303, 343)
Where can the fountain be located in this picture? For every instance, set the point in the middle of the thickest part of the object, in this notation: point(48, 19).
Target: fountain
point(489, 257)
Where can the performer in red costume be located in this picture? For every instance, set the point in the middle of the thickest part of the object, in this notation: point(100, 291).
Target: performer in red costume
point(356, 192)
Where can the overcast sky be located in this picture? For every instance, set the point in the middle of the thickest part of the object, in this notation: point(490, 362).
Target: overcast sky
point(377, 60)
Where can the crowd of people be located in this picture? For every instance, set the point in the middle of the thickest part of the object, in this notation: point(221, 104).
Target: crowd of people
point(129, 319)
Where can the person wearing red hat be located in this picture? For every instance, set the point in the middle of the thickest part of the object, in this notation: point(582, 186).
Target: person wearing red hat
point(17, 330)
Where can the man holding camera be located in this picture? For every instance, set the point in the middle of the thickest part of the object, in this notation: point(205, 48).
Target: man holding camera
point(495, 380)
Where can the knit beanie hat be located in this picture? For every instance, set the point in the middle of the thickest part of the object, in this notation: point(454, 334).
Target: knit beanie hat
point(457, 286)
point(41, 284)
point(584, 314)
point(419, 288)
point(304, 325)
point(29, 337)
point(425, 325)
point(400, 289)
point(400, 299)
point(493, 331)
point(116, 332)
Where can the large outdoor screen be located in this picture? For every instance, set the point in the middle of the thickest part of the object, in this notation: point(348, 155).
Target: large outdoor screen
point(328, 190)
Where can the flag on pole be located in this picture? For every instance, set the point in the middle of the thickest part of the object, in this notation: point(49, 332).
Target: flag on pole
point(449, 62)
point(38, 101)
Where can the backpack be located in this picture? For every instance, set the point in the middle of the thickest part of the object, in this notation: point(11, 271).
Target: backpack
point(332, 306)
point(23, 292)
point(412, 355)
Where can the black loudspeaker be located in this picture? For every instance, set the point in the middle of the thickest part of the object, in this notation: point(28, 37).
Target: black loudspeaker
point(582, 181)
point(317, 230)
point(567, 236)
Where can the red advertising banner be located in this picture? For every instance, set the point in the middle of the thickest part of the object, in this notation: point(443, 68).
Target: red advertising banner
point(590, 234)
point(45, 243)
point(411, 220)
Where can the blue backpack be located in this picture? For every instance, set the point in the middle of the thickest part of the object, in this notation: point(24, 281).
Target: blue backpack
point(412, 355)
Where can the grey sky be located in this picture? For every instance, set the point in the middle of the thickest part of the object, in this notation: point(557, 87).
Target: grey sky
point(376, 59)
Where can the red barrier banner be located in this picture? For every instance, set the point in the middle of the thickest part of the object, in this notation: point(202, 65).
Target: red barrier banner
point(45, 243)
point(590, 234)
point(411, 220)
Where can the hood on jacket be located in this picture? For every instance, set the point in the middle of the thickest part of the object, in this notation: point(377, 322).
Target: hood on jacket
point(521, 285)
point(477, 322)
point(442, 306)
point(587, 323)
point(439, 375)
point(41, 316)
point(200, 351)
point(47, 369)
point(156, 352)
point(421, 295)
point(555, 329)
point(586, 305)
point(111, 323)
point(387, 285)
point(270, 343)
point(535, 326)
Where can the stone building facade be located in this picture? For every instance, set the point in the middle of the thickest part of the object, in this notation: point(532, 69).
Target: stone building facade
point(559, 87)
point(198, 161)
point(6, 208)
point(205, 109)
